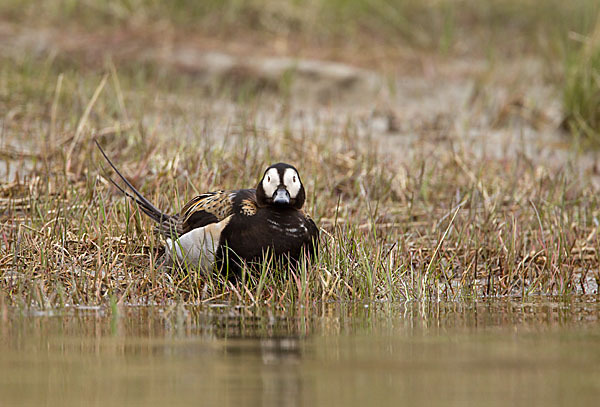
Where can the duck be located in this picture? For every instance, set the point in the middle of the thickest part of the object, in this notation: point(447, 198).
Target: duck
point(224, 230)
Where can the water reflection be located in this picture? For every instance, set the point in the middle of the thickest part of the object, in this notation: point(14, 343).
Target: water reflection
point(496, 352)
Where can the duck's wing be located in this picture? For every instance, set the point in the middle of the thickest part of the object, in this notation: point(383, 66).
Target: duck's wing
point(244, 202)
point(213, 207)
point(205, 209)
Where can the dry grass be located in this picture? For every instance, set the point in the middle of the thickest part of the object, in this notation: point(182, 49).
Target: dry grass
point(443, 226)
point(448, 223)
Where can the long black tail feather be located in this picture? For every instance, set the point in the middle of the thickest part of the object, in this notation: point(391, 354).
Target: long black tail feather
point(166, 222)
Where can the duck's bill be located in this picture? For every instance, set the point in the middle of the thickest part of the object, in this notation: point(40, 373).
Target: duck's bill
point(281, 197)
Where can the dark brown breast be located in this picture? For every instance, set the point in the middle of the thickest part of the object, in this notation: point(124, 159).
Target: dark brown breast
point(281, 232)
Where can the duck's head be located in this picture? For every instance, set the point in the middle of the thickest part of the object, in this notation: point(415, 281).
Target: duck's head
point(280, 186)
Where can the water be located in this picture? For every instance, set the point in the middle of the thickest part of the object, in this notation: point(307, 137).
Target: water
point(453, 354)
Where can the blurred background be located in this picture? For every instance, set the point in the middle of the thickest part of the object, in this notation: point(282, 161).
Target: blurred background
point(406, 67)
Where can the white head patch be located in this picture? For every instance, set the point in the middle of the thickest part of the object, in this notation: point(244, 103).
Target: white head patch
point(270, 182)
point(291, 180)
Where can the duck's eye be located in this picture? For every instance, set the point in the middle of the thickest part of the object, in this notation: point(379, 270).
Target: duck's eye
point(294, 179)
point(268, 178)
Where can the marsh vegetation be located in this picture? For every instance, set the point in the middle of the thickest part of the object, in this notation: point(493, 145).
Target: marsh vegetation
point(434, 158)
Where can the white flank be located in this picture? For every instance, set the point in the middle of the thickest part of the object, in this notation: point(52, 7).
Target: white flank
point(197, 248)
